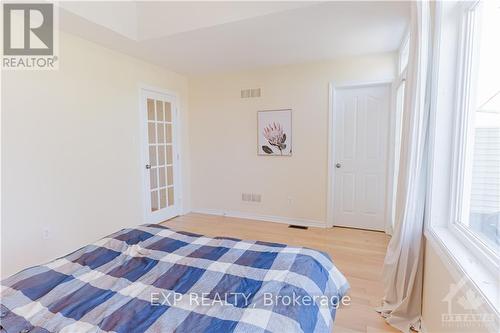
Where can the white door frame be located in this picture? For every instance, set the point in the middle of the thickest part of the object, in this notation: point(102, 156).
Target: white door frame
point(332, 87)
point(144, 151)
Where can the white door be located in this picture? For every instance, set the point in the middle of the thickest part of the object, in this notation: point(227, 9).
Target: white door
point(361, 116)
point(160, 151)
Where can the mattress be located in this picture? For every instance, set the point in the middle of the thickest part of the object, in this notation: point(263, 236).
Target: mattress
point(154, 279)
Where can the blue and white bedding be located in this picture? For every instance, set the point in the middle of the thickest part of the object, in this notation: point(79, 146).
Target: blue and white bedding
point(154, 279)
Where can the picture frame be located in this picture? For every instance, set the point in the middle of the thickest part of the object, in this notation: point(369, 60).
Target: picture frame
point(274, 132)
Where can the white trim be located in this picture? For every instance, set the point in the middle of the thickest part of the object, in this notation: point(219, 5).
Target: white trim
point(332, 87)
point(331, 156)
point(260, 217)
point(453, 253)
point(359, 84)
point(158, 90)
point(391, 161)
point(176, 143)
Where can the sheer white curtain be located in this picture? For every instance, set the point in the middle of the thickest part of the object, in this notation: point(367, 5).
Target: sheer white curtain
point(403, 266)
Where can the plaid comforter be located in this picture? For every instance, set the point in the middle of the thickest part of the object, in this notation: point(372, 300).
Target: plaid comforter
point(154, 279)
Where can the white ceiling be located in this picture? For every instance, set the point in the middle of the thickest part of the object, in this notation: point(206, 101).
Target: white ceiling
point(196, 38)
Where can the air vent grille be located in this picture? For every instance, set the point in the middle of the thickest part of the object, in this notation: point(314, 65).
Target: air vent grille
point(293, 226)
point(251, 197)
point(250, 93)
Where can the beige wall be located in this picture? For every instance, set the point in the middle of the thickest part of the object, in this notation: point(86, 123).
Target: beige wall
point(438, 278)
point(224, 135)
point(70, 150)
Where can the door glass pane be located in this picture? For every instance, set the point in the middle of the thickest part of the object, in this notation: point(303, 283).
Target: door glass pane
point(161, 155)
point(169, 133)
point(170, 176)
point(159, 111)
point(151, 109)
point(153, 178)
point(170, 196)
point(160, 128)
point(151, 132)
point(169, 154)
point(160, 149)
point(154, 201)
point(163, 198)
point(152, 155)
point(168, 112)
point(162, 177)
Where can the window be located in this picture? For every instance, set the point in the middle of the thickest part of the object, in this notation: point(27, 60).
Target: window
point(404, 52)
point(463, 181)
point(477, 204)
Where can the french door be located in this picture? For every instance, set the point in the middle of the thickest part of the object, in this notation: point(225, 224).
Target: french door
point(160, 163)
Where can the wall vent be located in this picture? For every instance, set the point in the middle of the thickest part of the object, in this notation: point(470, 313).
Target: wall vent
point(250, 93)
point(251, 197)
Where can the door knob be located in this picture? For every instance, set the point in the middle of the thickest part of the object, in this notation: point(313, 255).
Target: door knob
point(338, 165)
point(148, 166)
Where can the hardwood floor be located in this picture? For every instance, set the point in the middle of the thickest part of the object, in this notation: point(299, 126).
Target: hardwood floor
point(359, 254)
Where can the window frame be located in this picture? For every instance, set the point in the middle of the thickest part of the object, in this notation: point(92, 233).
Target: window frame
point(405, 45)
point(454, 247)
point(463, 137)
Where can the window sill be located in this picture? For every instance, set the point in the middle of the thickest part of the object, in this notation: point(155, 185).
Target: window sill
point(461, 263)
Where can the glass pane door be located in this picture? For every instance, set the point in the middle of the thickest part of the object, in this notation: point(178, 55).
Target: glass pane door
point(160, 155)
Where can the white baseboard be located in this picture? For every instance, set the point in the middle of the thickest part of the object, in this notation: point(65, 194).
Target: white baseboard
point(264, 218)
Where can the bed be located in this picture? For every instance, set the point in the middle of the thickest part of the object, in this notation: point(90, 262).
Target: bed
point(154, 279)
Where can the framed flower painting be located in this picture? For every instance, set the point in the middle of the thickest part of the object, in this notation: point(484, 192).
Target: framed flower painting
point(274, 132)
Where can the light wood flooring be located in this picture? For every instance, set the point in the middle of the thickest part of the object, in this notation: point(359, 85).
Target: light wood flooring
point(359, 255)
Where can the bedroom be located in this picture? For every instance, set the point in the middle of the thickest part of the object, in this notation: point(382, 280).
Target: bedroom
point(351, 146)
